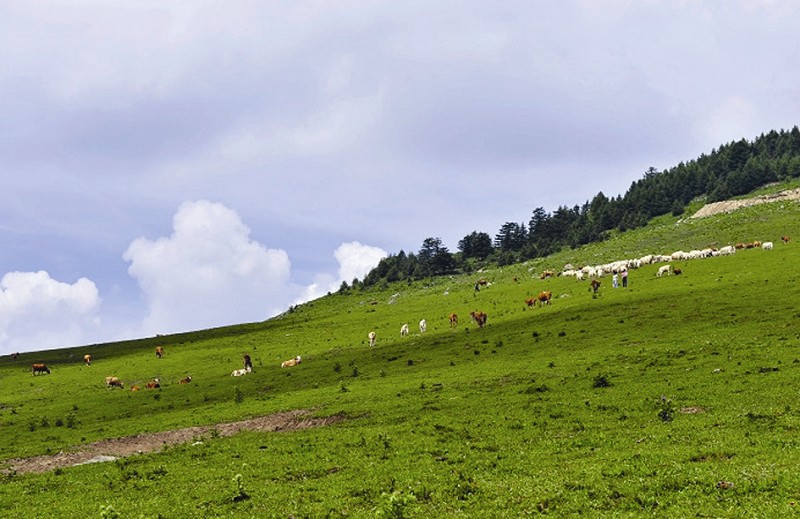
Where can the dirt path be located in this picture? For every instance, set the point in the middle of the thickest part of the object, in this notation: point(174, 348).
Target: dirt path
point(728, 206)
point(106, 450)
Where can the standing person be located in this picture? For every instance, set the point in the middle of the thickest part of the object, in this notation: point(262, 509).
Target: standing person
point(614, 280)
point(624, 278)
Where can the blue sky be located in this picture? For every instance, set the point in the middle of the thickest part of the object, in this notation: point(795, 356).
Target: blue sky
point(171, 166)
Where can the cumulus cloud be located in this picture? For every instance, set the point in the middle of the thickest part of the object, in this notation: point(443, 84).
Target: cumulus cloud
point(38, 312)
point(208, 272)
point(355, 262)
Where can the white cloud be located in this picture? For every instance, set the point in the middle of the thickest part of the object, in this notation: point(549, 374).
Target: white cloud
point(38, 312)
point(355, 261)
point(208, 272)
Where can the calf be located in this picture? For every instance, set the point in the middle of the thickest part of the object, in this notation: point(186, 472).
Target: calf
point(87, 359)
point(404, 330)
point(36, 369)
point(594, 286)
point(423, 325)
point(453, 320)
point(159, 352)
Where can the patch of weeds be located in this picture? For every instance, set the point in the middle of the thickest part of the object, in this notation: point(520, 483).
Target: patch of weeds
point(601, 381)
point(337, 367)
point(465, 487)
point(240, 494)
point(238, 396)
point(666, 412)
point(355, 372)
point(396, 505)
point(108, 512)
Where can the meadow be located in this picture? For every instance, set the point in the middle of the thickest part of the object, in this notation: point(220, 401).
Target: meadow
point(674, 397)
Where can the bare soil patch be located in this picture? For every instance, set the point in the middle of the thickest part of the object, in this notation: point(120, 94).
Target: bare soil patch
point(727, 206)
point(152, 442)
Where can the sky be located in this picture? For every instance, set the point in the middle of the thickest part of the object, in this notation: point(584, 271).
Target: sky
point(175, 166)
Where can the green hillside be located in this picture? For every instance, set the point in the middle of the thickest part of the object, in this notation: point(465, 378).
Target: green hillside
point(674, 397)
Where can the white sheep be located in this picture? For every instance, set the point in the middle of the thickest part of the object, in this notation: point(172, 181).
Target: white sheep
point(663, 270)
point(767, 245)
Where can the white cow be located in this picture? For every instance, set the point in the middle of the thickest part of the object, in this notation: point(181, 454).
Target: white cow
point(767, 245)
point(423, 325)
point(664, 270)
point(404, 330)
point(371, 336)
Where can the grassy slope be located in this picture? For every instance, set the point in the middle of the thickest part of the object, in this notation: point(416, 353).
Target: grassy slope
point(504, 421)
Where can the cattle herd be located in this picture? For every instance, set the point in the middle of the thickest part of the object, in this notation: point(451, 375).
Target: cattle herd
point(592, 272)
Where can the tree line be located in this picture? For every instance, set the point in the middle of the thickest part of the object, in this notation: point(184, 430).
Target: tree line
point(734, 169)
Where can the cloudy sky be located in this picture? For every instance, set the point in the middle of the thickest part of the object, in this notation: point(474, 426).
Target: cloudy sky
point(171, 166)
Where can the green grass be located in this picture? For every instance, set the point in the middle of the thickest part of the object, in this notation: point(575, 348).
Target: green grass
point(633, 403)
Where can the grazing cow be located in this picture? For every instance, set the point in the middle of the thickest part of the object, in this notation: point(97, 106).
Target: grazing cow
point(594, 286)
point(453, 320)
point(531, 301)
point(664, 270)
point(767, 245)
point(404, 330)
point(546, 274)
point(479, 318)
point(40, 368)
point(371, 336)
point(159, 351)
point(14, 355)
point(248, 364)
point(87, 359)
point(544, 297)
point(785, 239)
point(185, 380)
point(154, 384)
point(423, 325)
point(114, 382)
point(291, 362)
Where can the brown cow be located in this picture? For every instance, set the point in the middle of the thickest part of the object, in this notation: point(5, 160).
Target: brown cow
point(40, 368)
point(530, 301)
point(479, 318)
point(159, 351)
point(87, 359)
point(135, 388)
point(291, 362)
point(547, 274)
point(453, 320)
point(185, 380)
point(153, 384)
point(595, 286)
point(544, 297)
point(785, 239)
point(677, 271)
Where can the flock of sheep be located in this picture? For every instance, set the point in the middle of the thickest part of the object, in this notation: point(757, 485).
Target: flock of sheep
point(620, 265)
